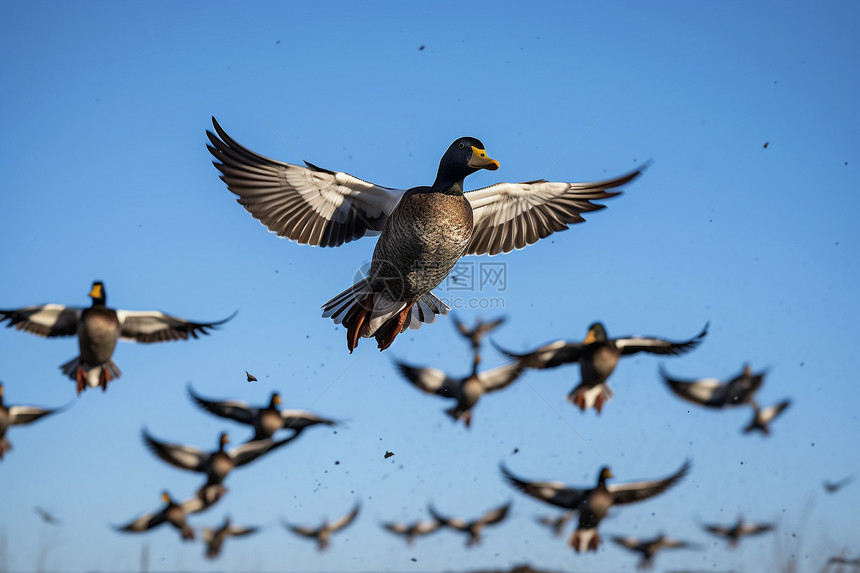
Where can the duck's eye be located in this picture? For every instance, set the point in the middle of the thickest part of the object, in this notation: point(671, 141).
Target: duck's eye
point(462, 145)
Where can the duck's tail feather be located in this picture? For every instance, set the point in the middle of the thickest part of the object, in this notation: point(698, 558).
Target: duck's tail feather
point(366, 313)
point(584, 540)
point(92, 376)
point(587, 397)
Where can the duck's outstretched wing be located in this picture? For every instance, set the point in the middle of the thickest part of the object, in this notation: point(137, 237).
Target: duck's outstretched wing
point(638, 491)
point(554, 492)
point(501, 377)
point(156, 326)
point(19, 415)
point(47, 320)
point(346, 519)
point(181, 456)
point(509, 216)
point(233, 409)
point(547, 356)
point(309, 205)
point(654, 345)
point(430, 380)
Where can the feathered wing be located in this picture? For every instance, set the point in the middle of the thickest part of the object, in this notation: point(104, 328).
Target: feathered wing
point(156, 326)
point(704, 391)
point(717, 529)
point(501, 377)
point(233, 409)
point(453, 522)
point(628, 542)
point(753, 528)
point(638, 491)
point(309, 205)
point(250, 451)
point(547, 356)
point(654, 345)
point(19, 415)
point(495, 515)
point(346, 519)
point(181, 456)
point(509, 216)
point(144, 522)
point(48, 320)
point(430, 380)
point(555, 493)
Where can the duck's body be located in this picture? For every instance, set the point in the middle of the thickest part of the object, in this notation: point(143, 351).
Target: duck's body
point(423, 230)
point(648, 548)
point(598, 356)
point(593, 504)
point(98, 329)
point(475, 527)
point(17, 416)
point(266, 420)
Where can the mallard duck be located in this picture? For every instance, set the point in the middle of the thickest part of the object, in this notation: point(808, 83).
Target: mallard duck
point(593, 504)
point(557, 522)
point(214, 538)
point(323, 533)
point(46, 516)
point(17, 416)
point(598, 356)
point(474, 527)
point(764, 416)
point(266, 420)
point(734, 533)
point(423, 231)
point(713, 393)
point(648, 548)
point(412, 530)
point(173, 513)
point(833, 487)
point(467, 391)
point(98, 328)
point(217, 464)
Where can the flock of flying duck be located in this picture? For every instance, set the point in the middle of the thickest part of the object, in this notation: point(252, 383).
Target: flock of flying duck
point(422, 232)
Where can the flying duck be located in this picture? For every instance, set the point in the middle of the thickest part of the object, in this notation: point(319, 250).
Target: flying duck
point(47, 516)
point(98, 328)
point(467, 391)
point(474, 527)
point(833, 487)
point(734, 533)
point(173, 513)
point(423, 231)
point(412, 530)
point(323, 533)
point(214, 538)
point(475, 334)
point(598, 356)
point(593, 504)
point(17, 416)
point(266, 420)
point(764, 416)
point(712, 393)
point(216, 465)
point(648, 548)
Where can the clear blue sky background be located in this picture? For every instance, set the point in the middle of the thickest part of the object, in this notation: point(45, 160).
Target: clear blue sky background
point(105, 175)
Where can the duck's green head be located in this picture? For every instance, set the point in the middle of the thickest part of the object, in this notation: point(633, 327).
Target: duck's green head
point(596, 333)
point(97, 293)
point(465, 156)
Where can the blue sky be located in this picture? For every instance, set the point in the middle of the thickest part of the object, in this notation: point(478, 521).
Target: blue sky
point(105, 175)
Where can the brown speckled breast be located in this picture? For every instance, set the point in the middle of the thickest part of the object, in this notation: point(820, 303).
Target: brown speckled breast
point(98, 331)
point(424, 237)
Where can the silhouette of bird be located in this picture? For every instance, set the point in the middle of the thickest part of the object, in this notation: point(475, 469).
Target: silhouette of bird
point(649, 548)
point(557, 522)
point(734, 533)
point(423, 231)
point(764, 416)
point(174, 513)
point(410, 531)
point(712, 393)
point(214, 538)
point(833, 487)
point(323, 533)
point(474, 527)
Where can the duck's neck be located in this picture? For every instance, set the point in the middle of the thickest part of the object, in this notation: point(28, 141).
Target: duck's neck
point(447, 185)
